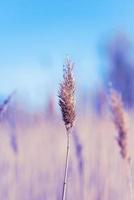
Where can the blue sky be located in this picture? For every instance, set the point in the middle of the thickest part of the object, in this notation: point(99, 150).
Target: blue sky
point(36, 35)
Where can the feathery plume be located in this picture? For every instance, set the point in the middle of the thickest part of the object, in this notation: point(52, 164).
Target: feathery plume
point(118, 114)
point(66, 95)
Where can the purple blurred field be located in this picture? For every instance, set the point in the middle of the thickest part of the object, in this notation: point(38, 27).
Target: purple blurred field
point(33, 148)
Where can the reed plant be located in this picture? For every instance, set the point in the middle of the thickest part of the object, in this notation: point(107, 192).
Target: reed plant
point(67, 105)
point(119, 119)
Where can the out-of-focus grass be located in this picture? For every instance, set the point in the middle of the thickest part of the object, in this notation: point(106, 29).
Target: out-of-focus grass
point(35, 170)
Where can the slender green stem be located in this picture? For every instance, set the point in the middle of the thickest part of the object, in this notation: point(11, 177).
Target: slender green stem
point(66, 166)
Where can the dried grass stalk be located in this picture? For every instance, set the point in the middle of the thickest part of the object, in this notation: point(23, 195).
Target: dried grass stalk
point(67, 105)
point(118, 113)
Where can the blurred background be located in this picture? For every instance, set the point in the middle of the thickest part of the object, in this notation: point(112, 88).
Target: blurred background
point(36, 37)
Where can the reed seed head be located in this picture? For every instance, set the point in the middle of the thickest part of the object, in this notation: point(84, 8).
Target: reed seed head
point(66, 95)
point(118, 113)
